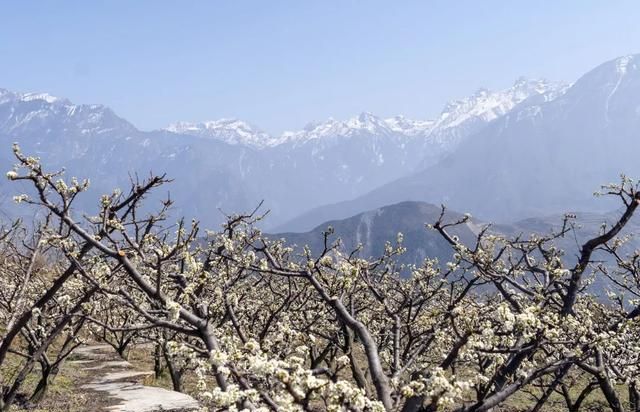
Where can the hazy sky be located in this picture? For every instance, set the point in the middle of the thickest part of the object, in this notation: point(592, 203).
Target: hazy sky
point(281, 64)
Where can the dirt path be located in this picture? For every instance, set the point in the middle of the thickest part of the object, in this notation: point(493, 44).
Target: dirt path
point(116, 378)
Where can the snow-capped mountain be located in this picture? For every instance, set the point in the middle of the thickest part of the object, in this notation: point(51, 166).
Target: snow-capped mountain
point(24, 112)
point(488, 106)
point(409, 127)
point(230, 165)
point(347, 158)
point(231, 131)
point(463, 117)
point(365, 123)
point(480, 108)
point(546, 155)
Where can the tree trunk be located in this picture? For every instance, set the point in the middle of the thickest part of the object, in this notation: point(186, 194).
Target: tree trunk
point(41, 389)
point(157, 361)
point(174, 373)
point(122, 352)
point(634, 399)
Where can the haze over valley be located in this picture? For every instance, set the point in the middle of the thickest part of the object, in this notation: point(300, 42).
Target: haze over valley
point(528, 142)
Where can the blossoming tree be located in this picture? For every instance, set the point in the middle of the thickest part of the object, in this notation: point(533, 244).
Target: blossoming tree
point(262, 325)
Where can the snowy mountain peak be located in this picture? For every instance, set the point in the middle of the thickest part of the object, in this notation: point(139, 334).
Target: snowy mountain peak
point(6, 96)
point(20, 112)
point(524, 88)
point(309, 127)
point(486, 105)
point(231, 131)
point(610, 73)
point(623, 63)
point(409, 127)
point(364, 124)
point(609, 78)
point(367, 117)
point(27, 97)
point(481, 93)
point(483, 106)
point(366, 121)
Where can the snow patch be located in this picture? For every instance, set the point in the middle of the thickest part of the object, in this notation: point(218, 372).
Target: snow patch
point(27, 97)
point(231, 131)
point(622, 65)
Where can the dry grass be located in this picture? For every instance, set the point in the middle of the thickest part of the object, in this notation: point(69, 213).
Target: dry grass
point(64, 394)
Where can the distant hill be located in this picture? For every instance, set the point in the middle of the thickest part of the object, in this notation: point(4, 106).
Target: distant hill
point(375, 227)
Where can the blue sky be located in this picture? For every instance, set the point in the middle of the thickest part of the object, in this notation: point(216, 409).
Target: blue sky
point(281, 64)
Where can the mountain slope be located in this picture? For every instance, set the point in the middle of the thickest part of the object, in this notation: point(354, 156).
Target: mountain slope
point(91, 141)
point(374, 228)
point(544, 156)
point(230, 165)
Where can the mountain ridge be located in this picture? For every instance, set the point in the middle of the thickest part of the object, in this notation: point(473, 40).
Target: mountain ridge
point(232, 170)
point(544, 156)
point(483, 104)
point(370, 230)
